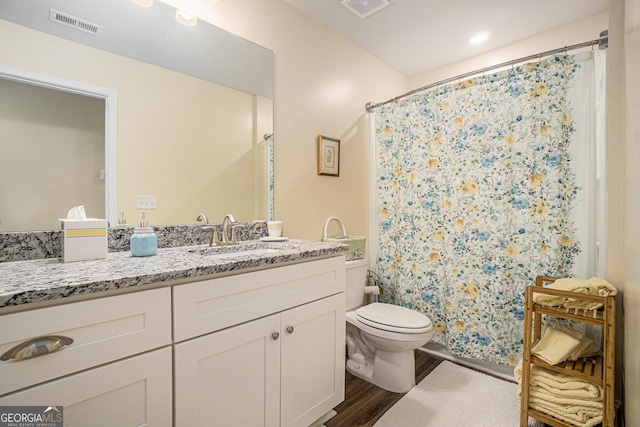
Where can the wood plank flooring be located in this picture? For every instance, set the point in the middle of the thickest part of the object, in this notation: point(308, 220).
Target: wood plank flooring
point(365, 403)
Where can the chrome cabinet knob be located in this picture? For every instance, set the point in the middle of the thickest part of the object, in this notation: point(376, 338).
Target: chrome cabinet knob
point(290, 329)
point(275, 336)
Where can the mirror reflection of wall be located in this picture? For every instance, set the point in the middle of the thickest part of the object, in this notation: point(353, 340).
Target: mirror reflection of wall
point(195, 145)
point(52, 146)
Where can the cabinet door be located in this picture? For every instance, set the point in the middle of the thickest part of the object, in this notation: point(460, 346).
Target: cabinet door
point(231, 377)
point(313, 357)
point(132, 392)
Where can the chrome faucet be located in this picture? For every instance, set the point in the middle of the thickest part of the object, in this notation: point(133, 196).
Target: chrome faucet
point(229, 220)
point(225, 226)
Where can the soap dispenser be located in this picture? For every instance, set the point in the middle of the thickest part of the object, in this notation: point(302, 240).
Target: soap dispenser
point(144, 241)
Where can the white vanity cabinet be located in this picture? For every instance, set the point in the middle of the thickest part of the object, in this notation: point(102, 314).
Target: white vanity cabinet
point(117, 370)
point(261, 349)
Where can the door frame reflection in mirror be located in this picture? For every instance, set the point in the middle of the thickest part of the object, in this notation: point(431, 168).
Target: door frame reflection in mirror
point(109, 96)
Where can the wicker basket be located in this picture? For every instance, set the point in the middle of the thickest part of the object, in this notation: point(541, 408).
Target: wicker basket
point(356, 243)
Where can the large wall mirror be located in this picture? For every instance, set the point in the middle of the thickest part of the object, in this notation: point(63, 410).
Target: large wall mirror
point(189, 108)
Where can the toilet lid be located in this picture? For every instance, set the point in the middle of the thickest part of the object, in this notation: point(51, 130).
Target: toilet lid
point(394, 318)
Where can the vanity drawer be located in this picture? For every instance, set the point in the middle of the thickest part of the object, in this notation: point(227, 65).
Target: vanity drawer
point(211, 305)
point(102, 330)
point(135, 391)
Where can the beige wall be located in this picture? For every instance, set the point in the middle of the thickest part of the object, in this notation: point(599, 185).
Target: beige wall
point(322, 83)
point(615, 157)
point(631, 308)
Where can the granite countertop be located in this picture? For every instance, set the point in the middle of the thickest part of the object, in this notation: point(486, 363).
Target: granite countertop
point(24, 282)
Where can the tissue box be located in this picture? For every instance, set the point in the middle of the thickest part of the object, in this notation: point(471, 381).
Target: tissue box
point(84, 239)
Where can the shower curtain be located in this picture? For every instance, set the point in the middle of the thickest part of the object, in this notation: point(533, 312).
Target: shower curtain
point(480, 185)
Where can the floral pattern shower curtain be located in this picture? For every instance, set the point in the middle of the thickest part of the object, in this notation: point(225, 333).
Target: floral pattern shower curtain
point(475, 187)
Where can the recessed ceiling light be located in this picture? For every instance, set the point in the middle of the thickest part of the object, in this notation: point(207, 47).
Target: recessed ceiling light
point(186, 19)
point(479, 38)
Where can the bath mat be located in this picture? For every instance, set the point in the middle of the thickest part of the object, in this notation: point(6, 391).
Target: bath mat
point(455, 396)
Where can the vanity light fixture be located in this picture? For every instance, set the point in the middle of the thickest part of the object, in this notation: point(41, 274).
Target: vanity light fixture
point(479, 38)
point(185, 19)
point(143, 3)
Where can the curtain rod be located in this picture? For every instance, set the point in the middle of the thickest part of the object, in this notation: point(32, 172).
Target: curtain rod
point(602, 42)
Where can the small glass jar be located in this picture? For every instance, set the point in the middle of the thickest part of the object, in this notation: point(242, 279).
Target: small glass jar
point(144, 242)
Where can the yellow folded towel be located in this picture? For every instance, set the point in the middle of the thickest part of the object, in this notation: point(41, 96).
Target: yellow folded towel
point(588, 415)
point(593, 286)
point(564, 397)
point(559, 385)
point(555, 346)
point(586, 347)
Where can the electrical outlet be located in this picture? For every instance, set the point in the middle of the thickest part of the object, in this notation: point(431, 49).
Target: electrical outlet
point(146, 202)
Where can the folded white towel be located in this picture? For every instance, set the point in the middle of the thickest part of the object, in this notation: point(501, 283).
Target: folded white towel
point(555, 346)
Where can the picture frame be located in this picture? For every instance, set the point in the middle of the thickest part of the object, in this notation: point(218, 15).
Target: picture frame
point(328, 156)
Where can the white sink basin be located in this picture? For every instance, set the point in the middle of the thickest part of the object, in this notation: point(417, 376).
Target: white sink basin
point(244, 249)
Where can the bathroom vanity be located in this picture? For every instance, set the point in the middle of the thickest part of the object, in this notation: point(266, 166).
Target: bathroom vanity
point(187, 337)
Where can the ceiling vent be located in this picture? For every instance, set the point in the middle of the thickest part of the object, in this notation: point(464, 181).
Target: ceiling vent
point(73, 22)
point(364, 8)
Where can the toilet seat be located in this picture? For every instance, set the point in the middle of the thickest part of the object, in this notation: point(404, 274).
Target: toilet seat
point(394, 318)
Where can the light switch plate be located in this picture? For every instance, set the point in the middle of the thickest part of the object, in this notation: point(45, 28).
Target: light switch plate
point(146, 202)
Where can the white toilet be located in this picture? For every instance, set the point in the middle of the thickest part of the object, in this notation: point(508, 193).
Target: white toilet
point(381, 338)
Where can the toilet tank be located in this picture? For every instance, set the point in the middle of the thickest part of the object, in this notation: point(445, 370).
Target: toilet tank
point(356, 281)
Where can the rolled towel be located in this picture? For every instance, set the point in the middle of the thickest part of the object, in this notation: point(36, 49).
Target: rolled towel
point(593, 286)
point(603, 288)
point(555, 346)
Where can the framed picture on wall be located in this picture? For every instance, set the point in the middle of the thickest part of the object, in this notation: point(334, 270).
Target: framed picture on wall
point(328, 156)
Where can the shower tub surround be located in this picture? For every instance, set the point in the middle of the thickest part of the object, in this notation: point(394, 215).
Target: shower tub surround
point(48, 280)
